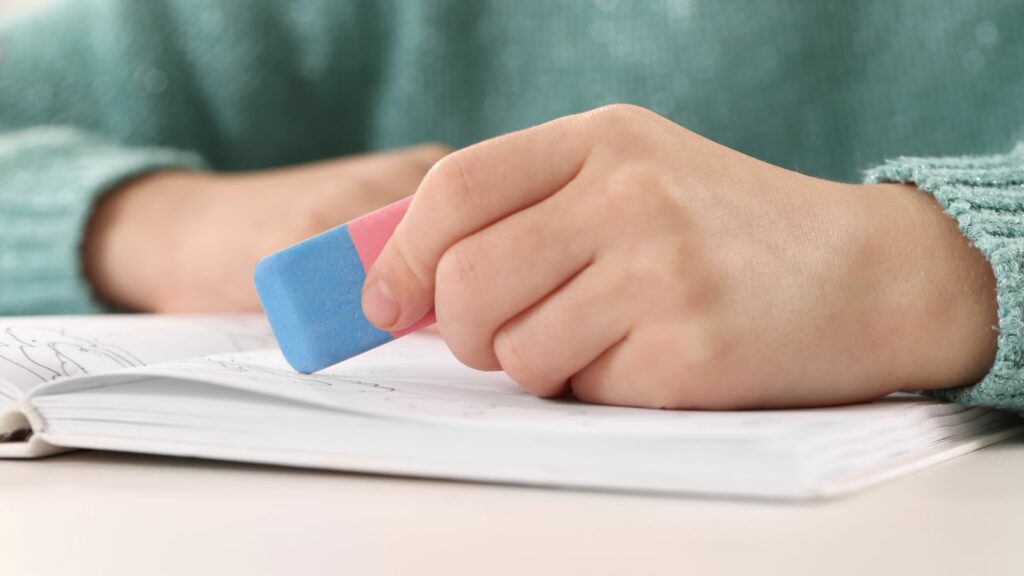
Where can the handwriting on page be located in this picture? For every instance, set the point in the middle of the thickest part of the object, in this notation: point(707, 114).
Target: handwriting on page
point(417, 379)
point(262, 373)
point(38, 350)
point(389, 391)
point(50, 353)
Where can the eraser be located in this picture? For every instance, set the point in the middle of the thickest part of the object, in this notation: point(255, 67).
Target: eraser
point(312, 292)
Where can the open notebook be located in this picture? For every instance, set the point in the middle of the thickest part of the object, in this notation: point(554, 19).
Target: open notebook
point(150, 384)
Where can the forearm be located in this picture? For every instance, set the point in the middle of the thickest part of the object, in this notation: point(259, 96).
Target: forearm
point(135, 238)
point(187, 241)
point(78, 117)
point(49, 180)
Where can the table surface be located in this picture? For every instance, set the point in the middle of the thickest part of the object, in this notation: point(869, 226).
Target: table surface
point(110, 514)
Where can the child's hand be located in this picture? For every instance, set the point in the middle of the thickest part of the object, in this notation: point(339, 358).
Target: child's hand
point(623, 257)
point(188, 242)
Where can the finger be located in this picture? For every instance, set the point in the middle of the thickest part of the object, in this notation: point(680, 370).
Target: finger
point(544, 346)
point(622, 374)
point(465, 192)
point(497, 273)
point(672, 365)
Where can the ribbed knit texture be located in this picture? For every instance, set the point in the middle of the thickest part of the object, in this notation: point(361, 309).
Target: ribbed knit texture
point(986, 196)
point(50, 178)
point(93, 92)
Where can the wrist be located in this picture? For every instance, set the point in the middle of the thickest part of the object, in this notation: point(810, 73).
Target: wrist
point(938, 292)
point(134, 236)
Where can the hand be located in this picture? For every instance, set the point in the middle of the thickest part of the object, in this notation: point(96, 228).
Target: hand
point(623, 258)
point(188, 242)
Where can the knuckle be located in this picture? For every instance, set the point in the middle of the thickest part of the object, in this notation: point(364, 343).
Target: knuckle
point(621, 111)
point(621, 388)
point(677, 365)
point(699, 286)
point(633, 178)
point(638, 194)
point(659, 282)
point(459, 282)
point(696, 297)
point(460, 267)
point(595, 389)
point(624, 117)
point(670, 276)
point(446, 183)
point(516, 360)
point(667, 367)
point(415, 275)
point(698, 377)
point(469, 349)
point(688, 279)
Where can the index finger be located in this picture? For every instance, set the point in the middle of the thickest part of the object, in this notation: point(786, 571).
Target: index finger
point(465, 192)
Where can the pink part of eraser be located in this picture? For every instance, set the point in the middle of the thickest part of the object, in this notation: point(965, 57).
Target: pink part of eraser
point(370, 233)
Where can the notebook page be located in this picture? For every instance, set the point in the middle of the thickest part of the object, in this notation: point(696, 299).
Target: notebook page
point(36, 350)
point(417, 378)
point(410, 408)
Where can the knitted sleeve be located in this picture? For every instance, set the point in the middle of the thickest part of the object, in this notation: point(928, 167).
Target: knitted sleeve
point(49, 178)
point(74, 79)
point(96, 92)
point(985, 195)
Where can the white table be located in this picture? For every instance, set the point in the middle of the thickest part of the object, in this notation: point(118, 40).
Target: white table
point(91, 513)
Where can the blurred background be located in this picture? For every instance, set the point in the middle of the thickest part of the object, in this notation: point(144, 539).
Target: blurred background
point(7, 6)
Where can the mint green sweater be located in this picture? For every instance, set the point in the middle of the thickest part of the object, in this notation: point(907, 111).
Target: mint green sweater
point(93, 92)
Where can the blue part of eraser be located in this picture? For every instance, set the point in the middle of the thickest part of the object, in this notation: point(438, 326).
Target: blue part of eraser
point(312, 295)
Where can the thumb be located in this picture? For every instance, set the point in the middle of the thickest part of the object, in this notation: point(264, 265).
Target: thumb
point(463, 193)
point(395, 295)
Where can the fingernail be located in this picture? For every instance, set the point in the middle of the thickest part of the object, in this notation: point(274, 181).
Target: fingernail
point(380, 306)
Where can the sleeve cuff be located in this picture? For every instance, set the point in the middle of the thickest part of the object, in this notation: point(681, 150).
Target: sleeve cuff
point(49, 181)
point(985, 194)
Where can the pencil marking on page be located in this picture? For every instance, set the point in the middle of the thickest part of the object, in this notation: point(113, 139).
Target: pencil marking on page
point(51, 353)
